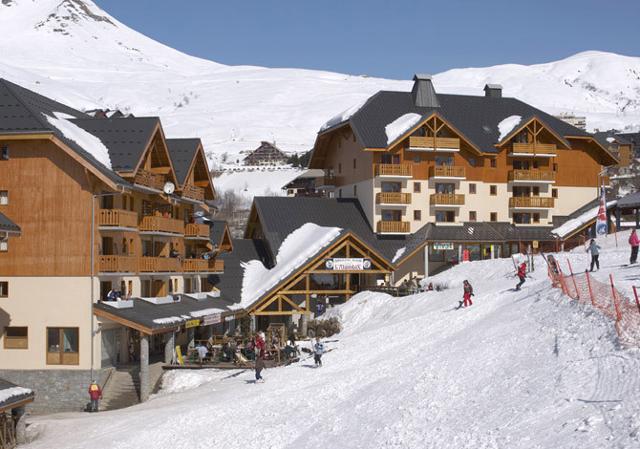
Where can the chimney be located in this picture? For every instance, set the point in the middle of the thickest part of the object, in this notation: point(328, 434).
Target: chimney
point(423, 93)
point(493, 90)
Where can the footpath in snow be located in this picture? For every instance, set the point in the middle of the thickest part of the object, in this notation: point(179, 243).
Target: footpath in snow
point(526, 369)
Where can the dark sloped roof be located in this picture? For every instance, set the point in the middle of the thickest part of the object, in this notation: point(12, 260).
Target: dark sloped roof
point(633, 138)
point(604, 136)
point(629, 201)
point(182, 152)
point(476, 117)
point(216, 231)
point(8, 225)
point(23, 111)
point(125, 138)
point(7, 403)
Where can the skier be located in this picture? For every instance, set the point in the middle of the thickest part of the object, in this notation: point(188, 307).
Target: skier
point(95, 394)
point(260, 355)
point(594, 248)
point(522, 275)
point(318, 350)
point(468, 293)
point(634, 241)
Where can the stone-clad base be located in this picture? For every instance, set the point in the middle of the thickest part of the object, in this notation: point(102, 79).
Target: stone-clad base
point(56, 390)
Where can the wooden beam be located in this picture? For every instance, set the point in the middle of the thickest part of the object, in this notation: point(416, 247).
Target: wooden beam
point(139, 327)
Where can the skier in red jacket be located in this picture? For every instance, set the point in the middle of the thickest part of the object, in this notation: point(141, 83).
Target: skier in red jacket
point(468, 293)
point(95, 393)
point(522, 275)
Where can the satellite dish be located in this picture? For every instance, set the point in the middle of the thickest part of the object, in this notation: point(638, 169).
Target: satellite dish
point(169, 188)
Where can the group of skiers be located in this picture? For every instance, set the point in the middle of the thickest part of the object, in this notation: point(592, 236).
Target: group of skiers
point(594, 249)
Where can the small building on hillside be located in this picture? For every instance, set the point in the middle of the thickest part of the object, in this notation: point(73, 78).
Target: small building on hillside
point(266, 154)
point(309, 183)
point(579, 121)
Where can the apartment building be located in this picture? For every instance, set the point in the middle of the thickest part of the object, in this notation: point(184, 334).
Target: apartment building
point(420, 157)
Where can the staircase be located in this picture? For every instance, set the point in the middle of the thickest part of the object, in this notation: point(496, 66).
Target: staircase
point(123, 387)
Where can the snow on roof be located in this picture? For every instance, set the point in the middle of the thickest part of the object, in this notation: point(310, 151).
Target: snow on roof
point(507, 125)
point(343, 116)
point(205, 312)
point(86, 141)
point(399, 254)
point(295, 250)
point(401, 125)
point(12, 392)
point(576, 223)
point(168, 320)
point(611, 139)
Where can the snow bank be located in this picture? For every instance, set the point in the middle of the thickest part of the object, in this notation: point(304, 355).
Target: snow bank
point(13, 392)
point(576, 223)
point(343, 116)
point(295, 250)
point(401, 125)
point(507, 125)
point(88, 142)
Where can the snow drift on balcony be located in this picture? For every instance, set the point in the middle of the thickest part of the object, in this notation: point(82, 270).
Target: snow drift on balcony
point(401, 125)
point(576, 223)
point(343, 116)
point(507, 125)
point(295, 250)
point(88, 142)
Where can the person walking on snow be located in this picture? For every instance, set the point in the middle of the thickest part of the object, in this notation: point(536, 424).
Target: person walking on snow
point(95, 394)
point(522, 275)
point(634, 241)
point(594, 248)
point(260, 355)
point(318, 350)
point(468, 293)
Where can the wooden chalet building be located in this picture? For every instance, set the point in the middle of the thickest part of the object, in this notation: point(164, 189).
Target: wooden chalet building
point(266, 154)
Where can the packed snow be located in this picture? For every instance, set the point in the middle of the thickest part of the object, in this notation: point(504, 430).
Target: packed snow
point(576, 223)
point(507, 125)
point(517, 370)
point(13, 392)
point(294, 251)
point(401, 125)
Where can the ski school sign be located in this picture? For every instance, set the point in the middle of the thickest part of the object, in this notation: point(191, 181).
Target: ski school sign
point(347, 264)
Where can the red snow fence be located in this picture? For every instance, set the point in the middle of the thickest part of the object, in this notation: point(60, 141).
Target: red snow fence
point(603, 296)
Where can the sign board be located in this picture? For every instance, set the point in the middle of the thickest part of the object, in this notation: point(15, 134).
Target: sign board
point(191, 323)
point(212, 319)
point(348, 264)
point(465, 255)
point(535, 244)
point(442, 246)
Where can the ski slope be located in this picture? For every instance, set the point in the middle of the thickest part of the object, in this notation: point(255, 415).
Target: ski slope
point(524, 369)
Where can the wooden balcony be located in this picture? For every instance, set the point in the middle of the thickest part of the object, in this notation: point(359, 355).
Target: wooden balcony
point(538, 176)
point(150, 179)
point(159, 264)
point(447, 199)
point(394, 170)
point(447, 171)
point(203, 265)
point(193, 192)
point(196, 230)
point(117, 264)
point(534, 149)
point(117, 218)
point(393, 227)
point(393, 198)
point(328, 180)
point(417, 143)
point(530, 202)
point(161, 224)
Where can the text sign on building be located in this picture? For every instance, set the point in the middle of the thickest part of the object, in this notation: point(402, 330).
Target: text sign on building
point(191, 323)
point(442, 246)
point(212, 319)
point(348, 264)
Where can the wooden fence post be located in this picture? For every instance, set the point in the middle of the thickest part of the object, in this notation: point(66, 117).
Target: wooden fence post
point(635, 292)
point(574, 280)
point(615, 299)
point(593, 301)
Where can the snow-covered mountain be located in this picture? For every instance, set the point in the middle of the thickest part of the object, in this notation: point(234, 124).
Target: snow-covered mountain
point(73, 51)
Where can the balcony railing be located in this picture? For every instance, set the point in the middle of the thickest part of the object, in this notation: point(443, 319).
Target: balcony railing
point(117, 264)
point(117, 218)
point(159, 264)
point(533, 202)
point(151, 223)
point(434, 144)
point(203, 265)
point(393, 227)
point(399, 170)
point(447, 171)
point(535, 148)
point(149, 179)
point(193, 192)
point(393, 198)
point(532, 175)
point(447, 199)
point(196, 230)
point(329, 179)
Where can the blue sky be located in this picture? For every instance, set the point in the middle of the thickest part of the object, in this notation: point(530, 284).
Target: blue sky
point(387, 38)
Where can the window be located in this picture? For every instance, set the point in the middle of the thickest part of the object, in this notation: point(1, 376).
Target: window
point(445, 216)
point(493, 216)
point(554, 193)
point(4, 155)
point(354, 164)
point(62, 346)
point(472, 161)
point(472, 215)
point(555, 167)
point(355, 190)
point(416, 187)
point(536, 218)
point(417, 215)
point(472, 189)
point(4, 246)
point(444, 161)
point(416, 158)
point(4, 197)
point(493, 163)
point(16, 337)
point(445, 188)
point(493, 190)
point(129, 289)
point(536, 191)
point(4, 289)
point(391, 187)
point(339, 168)
point(522, 218)
point(175, 285)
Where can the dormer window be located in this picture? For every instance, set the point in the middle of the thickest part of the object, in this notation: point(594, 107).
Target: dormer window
point(4, 153)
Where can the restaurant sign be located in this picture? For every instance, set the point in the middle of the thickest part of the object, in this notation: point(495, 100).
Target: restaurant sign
point(212, 319)
point(348, 264)
point(442, 246)
point(191, 323)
